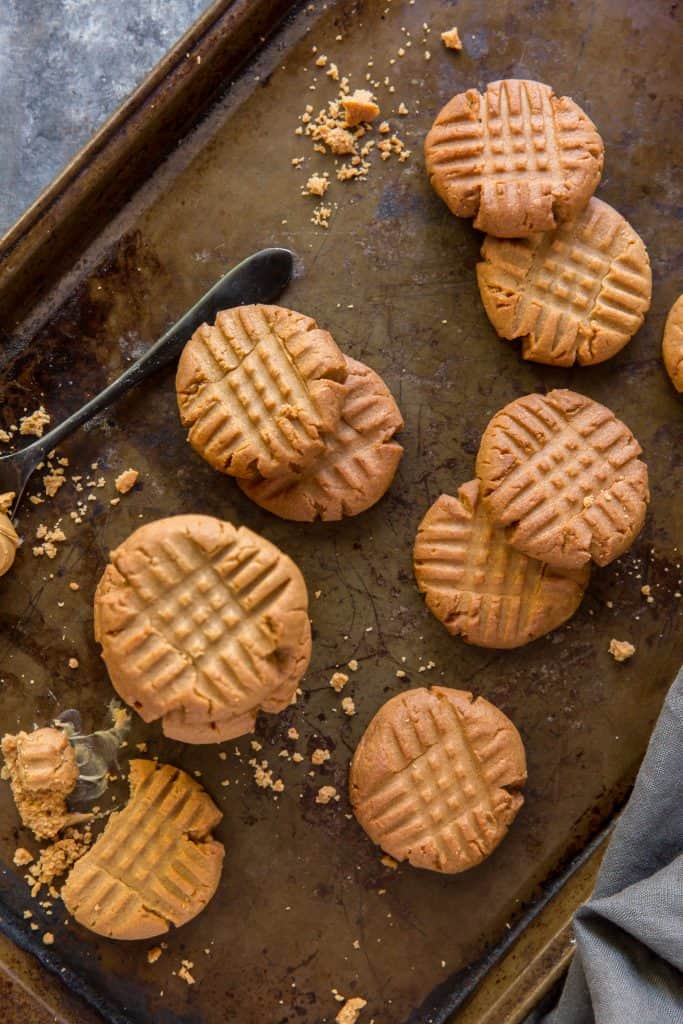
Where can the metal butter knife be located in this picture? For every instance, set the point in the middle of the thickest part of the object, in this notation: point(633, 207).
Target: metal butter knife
point(259, 278)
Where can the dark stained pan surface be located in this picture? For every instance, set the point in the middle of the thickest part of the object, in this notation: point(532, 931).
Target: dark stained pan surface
point(301, 882)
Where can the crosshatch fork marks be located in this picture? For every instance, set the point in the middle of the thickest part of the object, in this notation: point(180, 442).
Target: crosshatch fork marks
point(257, 388)
point(357, 464)
point(200, 616)
point(515, 157)
point(443, 798)
point(155, 864)
point(563, 474)
point(578, 293)
point(478, 585)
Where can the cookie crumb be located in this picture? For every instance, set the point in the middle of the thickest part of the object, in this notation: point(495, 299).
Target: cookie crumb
point(588, 501)
point(35, 423)
point(621, 650)
point(48, 939)
point(338, 681)
point(74, 586)
point(350, 1011)
point(184, 972)
point(359, 106)
point(325, 794)
point(321, 216)
point(126, 481)
point(53, 481)
point(74, 663)
point(317, 185)
point(56, 859)
point(320, 755)
point(348, 706)
point(388, 862)
point(22, 856)
point(292, 733)
point(353, 665)
point(153, 954)
point(402, 109)
point(451, 39)
point(6, 500)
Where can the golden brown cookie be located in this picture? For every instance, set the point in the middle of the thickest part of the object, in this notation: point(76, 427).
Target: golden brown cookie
point(562, 473)
point(479, 586)
point(576, 294)
point(435, 778)
point(9, 542)
point(202, 625)
point(258, 388)
point(672, 345)
point(356, 466)
point(517, 158)
point(155, 865)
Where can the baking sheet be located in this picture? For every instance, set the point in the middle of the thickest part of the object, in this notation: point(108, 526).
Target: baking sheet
point(393, 279)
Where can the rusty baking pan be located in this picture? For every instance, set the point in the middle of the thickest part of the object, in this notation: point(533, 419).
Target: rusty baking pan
point(194, 173)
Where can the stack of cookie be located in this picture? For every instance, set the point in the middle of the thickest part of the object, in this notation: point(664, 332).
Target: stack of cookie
point(269, 398)
point(562, 271)
point(559, 485)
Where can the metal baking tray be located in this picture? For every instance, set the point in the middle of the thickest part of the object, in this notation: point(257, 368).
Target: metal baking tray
point(193, 173)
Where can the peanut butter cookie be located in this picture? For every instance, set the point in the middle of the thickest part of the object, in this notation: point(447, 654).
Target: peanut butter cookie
point(516, 158)
point(9, 542)
point(575, 294)
point(156, 864)
point(258, 388)
point(202, 625)
point(356, 466)
point(672, 345)
point(436, 778)
point(562, 474)
point(479, 586)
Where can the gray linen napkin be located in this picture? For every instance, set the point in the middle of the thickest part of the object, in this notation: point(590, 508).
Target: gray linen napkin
point(629, 935)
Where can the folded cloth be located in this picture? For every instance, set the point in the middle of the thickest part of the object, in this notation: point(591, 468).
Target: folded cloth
point(629, 935)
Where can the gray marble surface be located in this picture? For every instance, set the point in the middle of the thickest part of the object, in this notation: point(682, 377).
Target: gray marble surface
point(65, 65)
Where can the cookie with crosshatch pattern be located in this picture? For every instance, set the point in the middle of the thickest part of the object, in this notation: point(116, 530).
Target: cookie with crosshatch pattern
point(436, 778)
point(202, 625)
point(156, 865)
point(479, 586)
point(258, 388)
point(672, 344)
point(357, 463)
point(562, 475)
point(575, 294)
point(517, 158)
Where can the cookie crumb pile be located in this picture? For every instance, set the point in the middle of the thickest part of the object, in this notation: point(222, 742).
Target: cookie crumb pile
point(347, 129)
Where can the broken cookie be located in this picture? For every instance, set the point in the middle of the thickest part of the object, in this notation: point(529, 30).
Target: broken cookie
point(156, 864)
point(42, 771)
